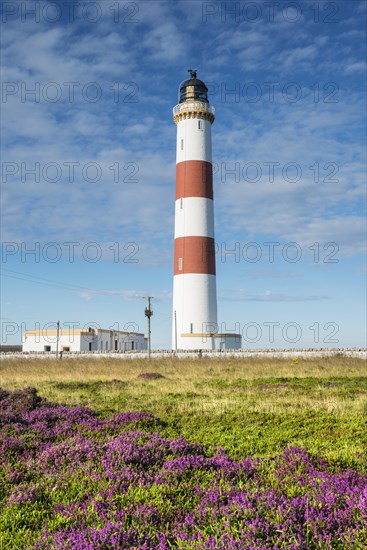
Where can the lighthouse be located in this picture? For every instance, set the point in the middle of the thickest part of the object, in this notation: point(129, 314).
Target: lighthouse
point(195, 324)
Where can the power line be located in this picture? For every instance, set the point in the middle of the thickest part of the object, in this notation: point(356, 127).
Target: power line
point(42, 280)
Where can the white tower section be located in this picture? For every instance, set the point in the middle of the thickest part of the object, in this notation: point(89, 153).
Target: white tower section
point(194, 287)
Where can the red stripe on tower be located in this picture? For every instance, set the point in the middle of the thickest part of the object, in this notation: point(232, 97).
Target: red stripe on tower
point(194, 255)
point(194, 178)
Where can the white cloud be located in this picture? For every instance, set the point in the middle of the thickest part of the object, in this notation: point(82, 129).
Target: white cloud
point(357, 67)
point(268, 296)
point(88, 294)
point(297, 56)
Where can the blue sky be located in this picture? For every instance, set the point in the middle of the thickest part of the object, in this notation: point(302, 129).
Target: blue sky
point(88, 164)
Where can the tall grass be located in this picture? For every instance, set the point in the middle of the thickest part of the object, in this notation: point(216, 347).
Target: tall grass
point(319, 384)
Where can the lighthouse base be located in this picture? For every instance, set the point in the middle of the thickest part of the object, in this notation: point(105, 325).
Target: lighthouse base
point(209, 341)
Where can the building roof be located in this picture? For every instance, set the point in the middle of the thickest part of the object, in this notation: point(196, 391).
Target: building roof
point(76, 331)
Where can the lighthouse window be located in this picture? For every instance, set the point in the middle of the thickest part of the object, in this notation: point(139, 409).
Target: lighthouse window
point(181, 203)
point(180, 264)
point(199, 125)
point(182, 144)
point(191, 327)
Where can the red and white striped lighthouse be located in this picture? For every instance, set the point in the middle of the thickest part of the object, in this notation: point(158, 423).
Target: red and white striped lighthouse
point(194, 288)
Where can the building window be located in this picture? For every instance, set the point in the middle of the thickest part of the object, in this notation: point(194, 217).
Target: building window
point(47, 348)
point(182, 142)
point(132, 345)
point(180, 264)
point(101, 346)
point(65, 348)
point(191, 328)
point(90, 346)
point(116, 344)
point(106, 345)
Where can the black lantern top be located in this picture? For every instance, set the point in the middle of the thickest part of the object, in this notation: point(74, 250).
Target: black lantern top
point(193, 89)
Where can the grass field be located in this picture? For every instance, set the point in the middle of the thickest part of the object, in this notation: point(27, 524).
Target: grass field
point(293, 435)
point(255, 405)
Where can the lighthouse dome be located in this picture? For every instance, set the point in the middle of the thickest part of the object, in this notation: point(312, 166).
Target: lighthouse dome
point(193, 89)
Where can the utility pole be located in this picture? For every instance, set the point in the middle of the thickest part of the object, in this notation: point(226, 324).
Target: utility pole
point(148, 314)
point(175, 330)
point(57, 338)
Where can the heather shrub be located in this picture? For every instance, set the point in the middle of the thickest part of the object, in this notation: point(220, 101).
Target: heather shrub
point(70, 479)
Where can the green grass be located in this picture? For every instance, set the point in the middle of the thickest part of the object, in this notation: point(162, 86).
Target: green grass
point(251, 406)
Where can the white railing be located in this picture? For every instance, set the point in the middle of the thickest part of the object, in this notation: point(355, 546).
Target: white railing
point(193, 106)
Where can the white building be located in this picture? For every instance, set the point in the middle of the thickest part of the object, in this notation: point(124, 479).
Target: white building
point(92, 339)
